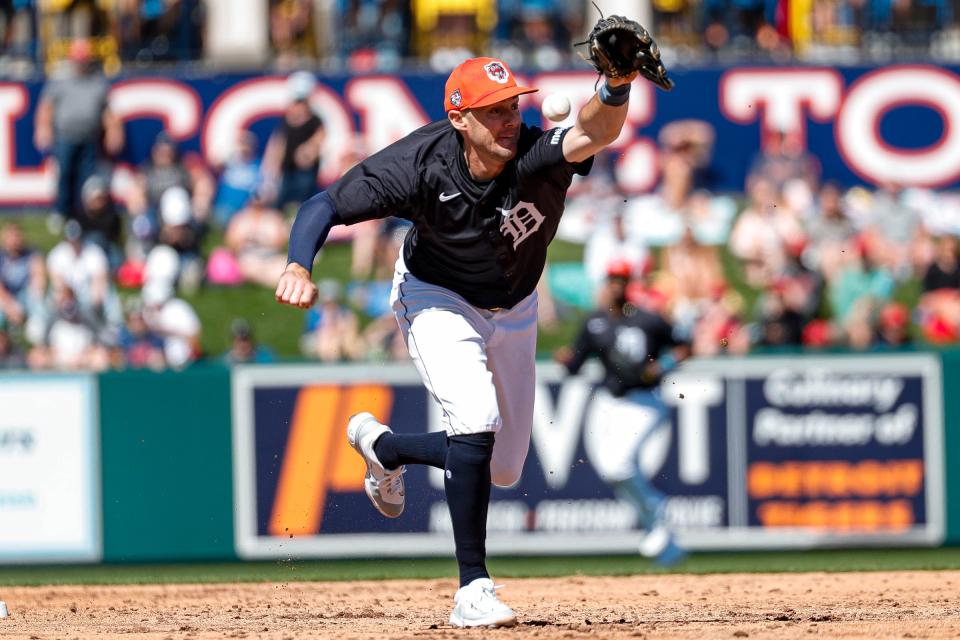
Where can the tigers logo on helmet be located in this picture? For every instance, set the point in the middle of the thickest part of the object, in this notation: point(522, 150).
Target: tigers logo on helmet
point(456, 99)
point(497, 72)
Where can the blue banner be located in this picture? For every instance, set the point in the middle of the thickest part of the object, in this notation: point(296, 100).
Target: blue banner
point(756, 453)
point(836, 450)
point(865, 125)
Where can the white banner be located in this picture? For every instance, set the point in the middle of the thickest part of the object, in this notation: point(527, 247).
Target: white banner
point(49, 469)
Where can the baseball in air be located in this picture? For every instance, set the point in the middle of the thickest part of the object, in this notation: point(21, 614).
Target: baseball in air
point(555, 107)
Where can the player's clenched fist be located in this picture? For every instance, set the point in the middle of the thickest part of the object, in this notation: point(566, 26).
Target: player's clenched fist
point(296, 288)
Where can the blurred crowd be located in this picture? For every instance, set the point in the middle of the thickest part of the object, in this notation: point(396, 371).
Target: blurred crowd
point(791, 262)
point(383, 34)
point(134, 249)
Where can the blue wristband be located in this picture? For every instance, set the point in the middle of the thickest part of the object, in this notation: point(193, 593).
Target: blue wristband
point(614, 96)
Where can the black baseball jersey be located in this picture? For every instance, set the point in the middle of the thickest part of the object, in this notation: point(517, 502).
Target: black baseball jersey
point(624, 344)
point(486, 241)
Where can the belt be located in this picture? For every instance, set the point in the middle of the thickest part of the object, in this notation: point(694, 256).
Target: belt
point(495, 309)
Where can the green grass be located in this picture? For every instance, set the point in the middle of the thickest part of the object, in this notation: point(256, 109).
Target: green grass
point(336, 570)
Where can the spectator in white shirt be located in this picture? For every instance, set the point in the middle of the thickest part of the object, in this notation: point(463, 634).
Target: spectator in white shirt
point(84, 269)
point(173, 319)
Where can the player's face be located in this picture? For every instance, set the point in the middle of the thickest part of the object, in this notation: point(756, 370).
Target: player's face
point(495, 129)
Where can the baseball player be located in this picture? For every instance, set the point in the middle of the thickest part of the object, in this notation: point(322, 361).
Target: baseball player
point(484, 192)
point(636, 348)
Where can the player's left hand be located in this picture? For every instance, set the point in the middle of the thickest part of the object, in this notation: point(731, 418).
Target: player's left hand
point(620, 47)
point(651, 372)
point(296, 288)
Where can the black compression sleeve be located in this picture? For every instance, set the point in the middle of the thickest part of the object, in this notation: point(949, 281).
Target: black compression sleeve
point(314, 220)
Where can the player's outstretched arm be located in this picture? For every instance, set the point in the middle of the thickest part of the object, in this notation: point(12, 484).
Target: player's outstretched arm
point(314, 220)
point(599, 121)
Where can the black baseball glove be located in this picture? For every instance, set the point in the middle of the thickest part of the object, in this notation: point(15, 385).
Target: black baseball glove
point(619, 46)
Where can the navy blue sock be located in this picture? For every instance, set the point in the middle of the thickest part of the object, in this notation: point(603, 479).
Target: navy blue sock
point(467, 483)
point(394, 450)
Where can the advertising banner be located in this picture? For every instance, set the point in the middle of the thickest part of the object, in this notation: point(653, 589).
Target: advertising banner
point(897, 123)
point(49, 469)
point(758, 453)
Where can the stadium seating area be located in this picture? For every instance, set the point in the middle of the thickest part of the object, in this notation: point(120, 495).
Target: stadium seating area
point(382, 34)
point(792, 261)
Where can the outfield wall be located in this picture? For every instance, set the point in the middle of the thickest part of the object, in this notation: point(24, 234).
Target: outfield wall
point(214, 464)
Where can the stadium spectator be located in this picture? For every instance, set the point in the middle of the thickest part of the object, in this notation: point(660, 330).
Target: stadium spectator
point(149, 31)
point(243, 347)
point(374, 33)
point(720, 329)
point(23, 284)
point(861, 288)
point(17, 29)
point(938, 310)
point(539, 35)
point(180, 231)
point(784, 313)
point(292, 157)
point(383, 340)
point(71, 121)
point(125, 28)
point(166, 169)
point(239, 179)
point(257, 238)
point(332, 330)
point(175, 321)
point(766, 235)
point(11, 357)
point(784, 159)
point(162, 265)
point(100, 219)
point(186, 20)
point(83, 269)
point(138, 346)
point(938, 314)
point(694, 275)
point(692, 141)
point(646, 289)
point(660, 219)
point(893, 327)
point(72, 339)
point(291, 32)
point(608, 241)
point(893, 229)
point(830, 231)
point(944, 271)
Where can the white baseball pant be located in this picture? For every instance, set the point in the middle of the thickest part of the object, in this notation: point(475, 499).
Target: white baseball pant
point(478, 364)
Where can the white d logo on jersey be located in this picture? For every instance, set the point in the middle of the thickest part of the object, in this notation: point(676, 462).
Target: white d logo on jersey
point(631, 342)
point(520, 222)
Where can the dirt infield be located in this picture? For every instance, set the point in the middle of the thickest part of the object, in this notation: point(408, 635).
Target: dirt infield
point(848, 605)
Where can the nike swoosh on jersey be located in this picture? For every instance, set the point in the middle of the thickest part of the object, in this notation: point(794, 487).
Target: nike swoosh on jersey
point(444, 197)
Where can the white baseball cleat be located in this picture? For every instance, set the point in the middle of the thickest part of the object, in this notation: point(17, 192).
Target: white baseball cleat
point(384, 488)
point(477, 606)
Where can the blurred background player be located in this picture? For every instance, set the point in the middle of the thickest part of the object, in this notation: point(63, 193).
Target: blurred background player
point(636, 348)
